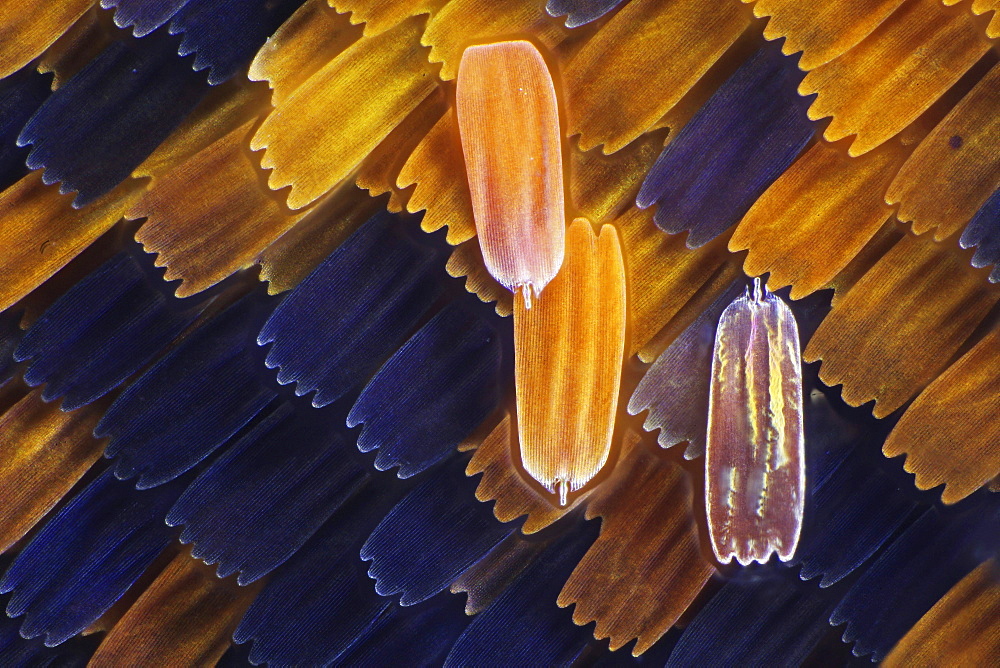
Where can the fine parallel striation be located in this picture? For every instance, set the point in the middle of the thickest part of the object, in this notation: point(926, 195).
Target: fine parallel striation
point(508, 119)
point(754, 454)
point(568, 353)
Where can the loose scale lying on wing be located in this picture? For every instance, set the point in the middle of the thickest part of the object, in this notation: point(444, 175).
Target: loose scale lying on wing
point(570, 343)
point(754, 459)
point(569, 346)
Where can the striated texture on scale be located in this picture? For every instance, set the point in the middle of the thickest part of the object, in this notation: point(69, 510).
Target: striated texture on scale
point(509, 123)
point(568, 353)
point(755, 468)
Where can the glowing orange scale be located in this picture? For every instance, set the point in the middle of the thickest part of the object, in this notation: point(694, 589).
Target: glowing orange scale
point(509, 123)
point(568, 353)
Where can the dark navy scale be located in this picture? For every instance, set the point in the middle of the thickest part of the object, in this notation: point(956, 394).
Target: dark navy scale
point(92, 132)
point(87, 556)
point(267, 494)
point(746, 135)
point(433, 392)
point(380, 282)
point(769, 620)
point(321, 602)
point(103, 330)
point(21, 94)
point(524, 626)
point(143, 16)
point(193, 400)
point(983, 232)
point(580, 12)
point(224, 35)
point(915, 571)
point(432, 536)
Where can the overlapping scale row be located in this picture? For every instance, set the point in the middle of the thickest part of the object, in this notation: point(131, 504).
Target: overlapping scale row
point(286, 494)
point(921, 42)
point(956, 167)
point(744, 137)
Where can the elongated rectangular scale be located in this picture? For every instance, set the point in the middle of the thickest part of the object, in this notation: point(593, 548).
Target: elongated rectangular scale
point(755, 464)
point(508, 119)
point(568, 352)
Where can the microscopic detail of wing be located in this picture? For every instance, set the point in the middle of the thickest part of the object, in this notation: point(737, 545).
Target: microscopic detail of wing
point(18, 651)
point(982, 7)
point(853, 514)
point(418, 635)
point(437, 168)
point(192, 400)
point(769, 622)
point(103, 330)
point(76, 47)
point(664, 276)
point(979, 7)
point(143, 16)
point(754, 454)
point(962, 629)
point(29, 33)
point(91, 133)
point(817, 216)
point(853, 508)
point(220, 112)
point(509, 123)
point(463, 22)
point(502, 482)
point(330, 333)
point(308, 40)
point(107, 528)
point(466, 262)
point(525, 626)
point(314, 608)
point(950, 433)
point(379, 16)
point(432, 536)
point(914, 572)
point(898, 326)
point(602, 186)
point(259, 502)
point(663, 272)
point(568, 352)
point(42, 232)
point(209, 217)
point(187, 613)
point(488, 579)
point(225, 34)
point(21, 94)
point(295, 254)
point(432, 393)
point(46, 451)
point(884, 83)
point(822, 32)
point(983, 233)
point(664, 46)
point(646, 567)
point(327, 125)
point(750, 130)
point(580, 12)
point(379, 172)
point(675, 389)
point(956, 167)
